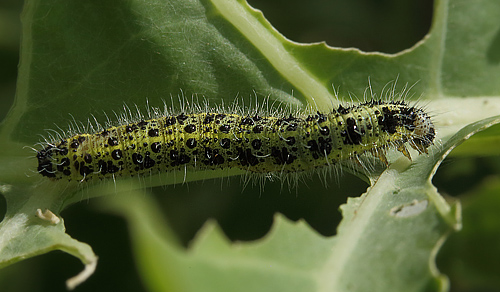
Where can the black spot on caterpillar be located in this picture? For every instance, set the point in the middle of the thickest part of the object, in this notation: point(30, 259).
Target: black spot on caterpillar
point(259, 143)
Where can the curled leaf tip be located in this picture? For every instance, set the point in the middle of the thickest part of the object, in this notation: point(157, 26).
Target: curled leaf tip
point(89, 269)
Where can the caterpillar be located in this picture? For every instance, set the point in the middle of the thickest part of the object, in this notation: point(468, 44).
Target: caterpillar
point(257, 142)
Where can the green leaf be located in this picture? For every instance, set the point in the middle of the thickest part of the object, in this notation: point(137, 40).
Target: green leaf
point(88, 58)
point(28, 230)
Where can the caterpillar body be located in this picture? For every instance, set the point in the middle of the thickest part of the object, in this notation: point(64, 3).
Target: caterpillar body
point(258, 143)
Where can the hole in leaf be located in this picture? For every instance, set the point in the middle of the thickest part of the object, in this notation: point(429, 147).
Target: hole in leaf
point(248, 215)
point(387, 26)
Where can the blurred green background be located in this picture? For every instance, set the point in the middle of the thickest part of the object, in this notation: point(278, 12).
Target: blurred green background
point(372, 25)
